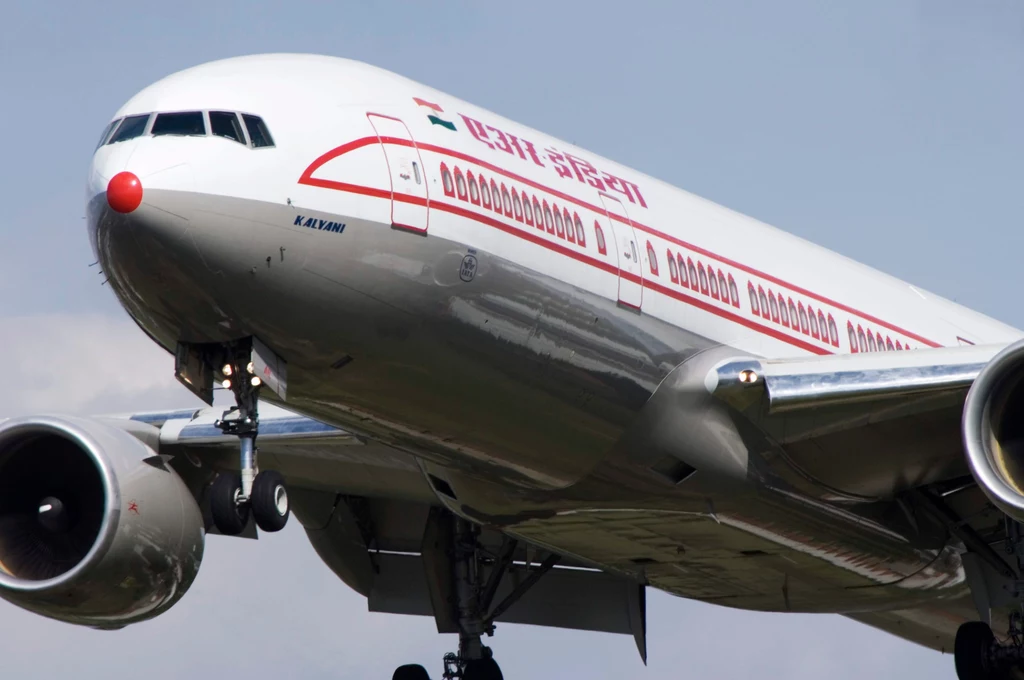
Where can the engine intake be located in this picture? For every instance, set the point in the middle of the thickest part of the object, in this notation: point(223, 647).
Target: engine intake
point(993, 430)
point(95, 528)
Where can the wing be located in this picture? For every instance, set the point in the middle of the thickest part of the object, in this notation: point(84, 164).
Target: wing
point(937, 431)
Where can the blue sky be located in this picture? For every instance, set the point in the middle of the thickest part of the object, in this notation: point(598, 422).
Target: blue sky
point(889, 131)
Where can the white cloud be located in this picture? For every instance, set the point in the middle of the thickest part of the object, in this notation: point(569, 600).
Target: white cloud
point(270, 608)
point(83, 364)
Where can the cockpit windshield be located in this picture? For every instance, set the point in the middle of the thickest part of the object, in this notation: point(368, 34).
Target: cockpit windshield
point(244, 128)
point(185, 123)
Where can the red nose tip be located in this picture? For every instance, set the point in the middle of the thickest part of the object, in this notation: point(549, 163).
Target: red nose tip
point(124, 192)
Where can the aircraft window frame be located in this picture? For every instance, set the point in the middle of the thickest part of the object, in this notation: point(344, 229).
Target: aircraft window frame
point(872, 347)
point(506, 201)
point(178, 116)
point(549, 220)
point(538, 214)
point(474, 190)
point(559, 226)
point(495, 197)
point(135, 133)
point(773, 305)
point(823, 325)
point(602, 245)
point(460, 185)
point(804, 326)
point(783, 312)
point(763, 299)
point(713, 283)
point(527, 210)
point(861, 340)
point(813, 322)
point(694, 281)
point(239, 128)
point(581, 235)
point(108, 131)
point(853, 336)
point(734, 291)
point(833, 331)
point(888, 344)
point(570, 232)
point(652, 259)
point(517, 206)
point(723, 286)
point(673, 269)
point(265, 131)
point(447, 182)
point(485, 193)
point(683, 278)
point(755, 305)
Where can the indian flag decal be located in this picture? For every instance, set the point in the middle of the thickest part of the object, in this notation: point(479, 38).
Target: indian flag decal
point(434, 113)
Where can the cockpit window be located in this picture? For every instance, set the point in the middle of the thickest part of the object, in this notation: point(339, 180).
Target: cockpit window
point(130, 128)
point(188, 123)
point(225, 124)
point(106, 132)
point(258, 132)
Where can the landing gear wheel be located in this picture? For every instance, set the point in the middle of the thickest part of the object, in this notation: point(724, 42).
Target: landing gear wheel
point(270, 501)
point(972, 652)
point(482, 669)
point(229, 515)
point(410, 672)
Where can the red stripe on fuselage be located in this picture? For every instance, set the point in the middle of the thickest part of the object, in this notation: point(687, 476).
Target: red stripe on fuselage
point(307, 178)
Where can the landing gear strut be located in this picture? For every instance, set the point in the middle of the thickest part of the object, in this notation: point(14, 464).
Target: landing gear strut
point(976, 651)
point(233, 497)
point(475, 590)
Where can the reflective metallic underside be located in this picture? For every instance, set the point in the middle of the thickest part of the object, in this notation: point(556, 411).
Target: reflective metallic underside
point(558, 416)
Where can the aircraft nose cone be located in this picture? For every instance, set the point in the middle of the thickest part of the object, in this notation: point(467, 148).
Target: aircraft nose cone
point(124, 192)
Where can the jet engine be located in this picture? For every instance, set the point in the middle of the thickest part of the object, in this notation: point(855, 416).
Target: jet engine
point(95, 528)
point(993, 430)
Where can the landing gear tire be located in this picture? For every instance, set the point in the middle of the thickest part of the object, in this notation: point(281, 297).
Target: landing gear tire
point(972, 652)
point(410, 672)
point(482, 669)
point(270, 501)
point(230, 515)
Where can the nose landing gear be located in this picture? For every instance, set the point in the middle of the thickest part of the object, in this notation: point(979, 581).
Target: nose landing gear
point(263, 494)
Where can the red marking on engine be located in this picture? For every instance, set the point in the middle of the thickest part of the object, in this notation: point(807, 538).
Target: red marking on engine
point(133, 507)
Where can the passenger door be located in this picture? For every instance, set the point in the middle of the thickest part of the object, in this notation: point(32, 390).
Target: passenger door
point(627, 248)
point(409, 199)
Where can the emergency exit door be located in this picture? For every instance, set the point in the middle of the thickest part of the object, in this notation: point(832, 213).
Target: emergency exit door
point(409, 200)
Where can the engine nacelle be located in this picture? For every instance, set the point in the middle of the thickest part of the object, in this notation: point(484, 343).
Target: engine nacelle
point(993, 430)
point(95, 528)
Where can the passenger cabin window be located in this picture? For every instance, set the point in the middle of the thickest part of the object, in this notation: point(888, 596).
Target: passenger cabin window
point(570, 231)
point(581, 237)
point(602, 247)
point(446, 180)
point(225, 124)
point(783, 312)
point(474, 190)
point(682, 270)
point(182, 124)
point(485, 193)
point(130, 128)
point(559, 227)
point(539, 216)
point(517, 206)
point(713, 285)
point(673, 270)
point(259, 135)
point(527, 210)
point(549, 222)
point(754, 306)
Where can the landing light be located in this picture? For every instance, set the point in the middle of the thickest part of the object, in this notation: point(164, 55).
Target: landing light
point(748, 376)
point(250, 368)
point(255, 381)
point(226, 384)
point(226, 370)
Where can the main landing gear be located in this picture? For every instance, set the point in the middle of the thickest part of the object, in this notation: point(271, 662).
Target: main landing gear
point(976, 651)
point(233, 497)
point(476, 573)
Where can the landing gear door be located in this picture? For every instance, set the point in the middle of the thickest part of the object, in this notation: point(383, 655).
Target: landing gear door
point(631, 274)
point(405, 167)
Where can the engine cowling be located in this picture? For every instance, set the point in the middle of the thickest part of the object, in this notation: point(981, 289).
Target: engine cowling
point(993, 430)
point(95, 528)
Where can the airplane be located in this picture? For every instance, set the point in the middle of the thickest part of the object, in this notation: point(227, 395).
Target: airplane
point(498, 378)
